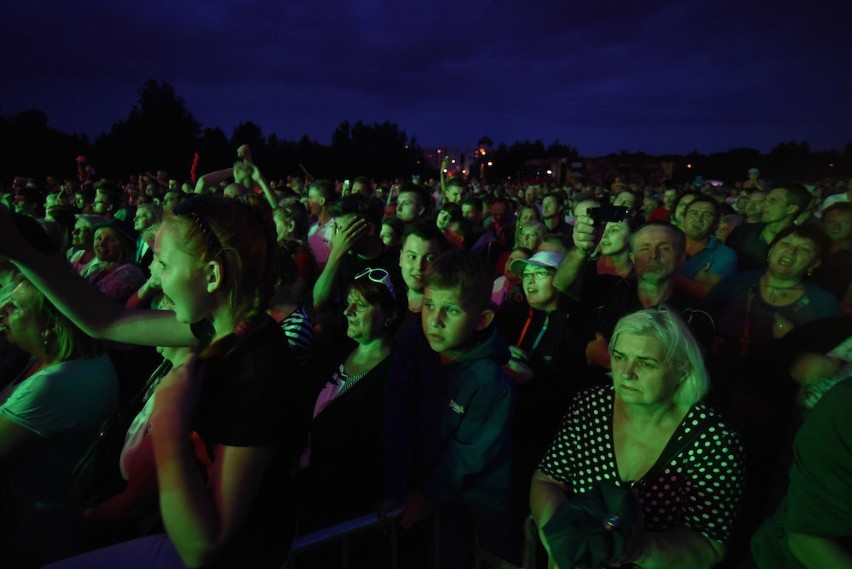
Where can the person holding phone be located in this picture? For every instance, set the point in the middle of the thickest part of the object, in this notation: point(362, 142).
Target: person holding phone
point(656, 250)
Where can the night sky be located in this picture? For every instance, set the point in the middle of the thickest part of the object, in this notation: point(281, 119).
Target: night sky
point(603, 76)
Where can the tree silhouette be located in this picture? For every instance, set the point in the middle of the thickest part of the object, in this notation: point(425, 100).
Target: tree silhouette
point(32, 148)
point(159, 133)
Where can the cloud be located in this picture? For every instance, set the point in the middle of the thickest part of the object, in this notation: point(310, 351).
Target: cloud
point(725, 73)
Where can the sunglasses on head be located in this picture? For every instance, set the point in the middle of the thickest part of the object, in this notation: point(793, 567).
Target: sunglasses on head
point(378, 276)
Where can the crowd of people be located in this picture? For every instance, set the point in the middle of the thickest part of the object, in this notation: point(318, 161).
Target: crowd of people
point(193, 373)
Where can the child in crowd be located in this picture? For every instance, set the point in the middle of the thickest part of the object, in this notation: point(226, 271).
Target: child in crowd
point(447, 413)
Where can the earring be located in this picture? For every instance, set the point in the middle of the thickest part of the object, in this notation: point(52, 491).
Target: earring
point(45, 345)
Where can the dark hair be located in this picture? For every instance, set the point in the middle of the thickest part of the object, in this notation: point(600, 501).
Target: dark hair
point(396, 224)
point(811, 231)
point(427, 231)
point(110, 189)
point(468, 272)
point(326, 189)
point(797, 194)
point(681, 197)
point(378, 294)
point(717, 213)
point(296, 211)
point(475, 202)
point(842, 207)
point(361, 206)
point(563, 240)
point(423, 197)
point(465, 230)
point(453, 208)
point(636, 195)
point(35, 234)
point(558, 196)
point(522, 207)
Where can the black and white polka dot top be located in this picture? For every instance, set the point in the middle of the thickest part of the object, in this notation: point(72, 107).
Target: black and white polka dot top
point(700, 487)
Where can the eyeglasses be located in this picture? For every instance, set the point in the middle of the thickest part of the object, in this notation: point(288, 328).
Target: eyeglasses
point(382, 277)
point(536, 276)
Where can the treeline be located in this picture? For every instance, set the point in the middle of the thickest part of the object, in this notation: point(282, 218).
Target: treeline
point(160, 132)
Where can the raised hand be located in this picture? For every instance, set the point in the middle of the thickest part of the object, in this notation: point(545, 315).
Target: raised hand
point(585, 236)
point(244, 154)
point(344, 237)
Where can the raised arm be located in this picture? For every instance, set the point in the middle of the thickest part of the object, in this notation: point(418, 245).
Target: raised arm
point(213, 179)
point(341, 243)
point(585, 242)
point(442, 174)
point(96, 314)
point(258, 178)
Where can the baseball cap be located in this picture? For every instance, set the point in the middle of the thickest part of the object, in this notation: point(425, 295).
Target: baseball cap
point(547, 259)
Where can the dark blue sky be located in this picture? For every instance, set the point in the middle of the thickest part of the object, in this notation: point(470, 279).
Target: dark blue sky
point(602, 76)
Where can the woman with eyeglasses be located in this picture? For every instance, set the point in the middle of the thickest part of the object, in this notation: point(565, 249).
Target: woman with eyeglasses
point(547, 364)
point(345, 441)
point(218, 258)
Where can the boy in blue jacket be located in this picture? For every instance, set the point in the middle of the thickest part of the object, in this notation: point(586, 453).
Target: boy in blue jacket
point(447, 414)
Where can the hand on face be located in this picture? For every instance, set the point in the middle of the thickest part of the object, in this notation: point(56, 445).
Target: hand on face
point(346, 234)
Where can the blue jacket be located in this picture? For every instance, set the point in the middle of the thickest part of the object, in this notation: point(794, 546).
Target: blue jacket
point(446, 430)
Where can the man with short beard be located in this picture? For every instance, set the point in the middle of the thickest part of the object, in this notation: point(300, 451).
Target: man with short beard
point(657, 251)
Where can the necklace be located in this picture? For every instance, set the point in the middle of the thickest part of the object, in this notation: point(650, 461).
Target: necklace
point(776, 294)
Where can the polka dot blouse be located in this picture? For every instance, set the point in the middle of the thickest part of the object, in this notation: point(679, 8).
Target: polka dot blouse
point(699, 488)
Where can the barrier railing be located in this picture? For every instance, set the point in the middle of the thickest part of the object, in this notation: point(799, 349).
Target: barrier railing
point(340, 533)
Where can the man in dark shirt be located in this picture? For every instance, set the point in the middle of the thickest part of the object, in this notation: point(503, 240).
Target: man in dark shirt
point(783, 204)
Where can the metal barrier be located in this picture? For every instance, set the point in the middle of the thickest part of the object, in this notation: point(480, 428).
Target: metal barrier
point(340, 533)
